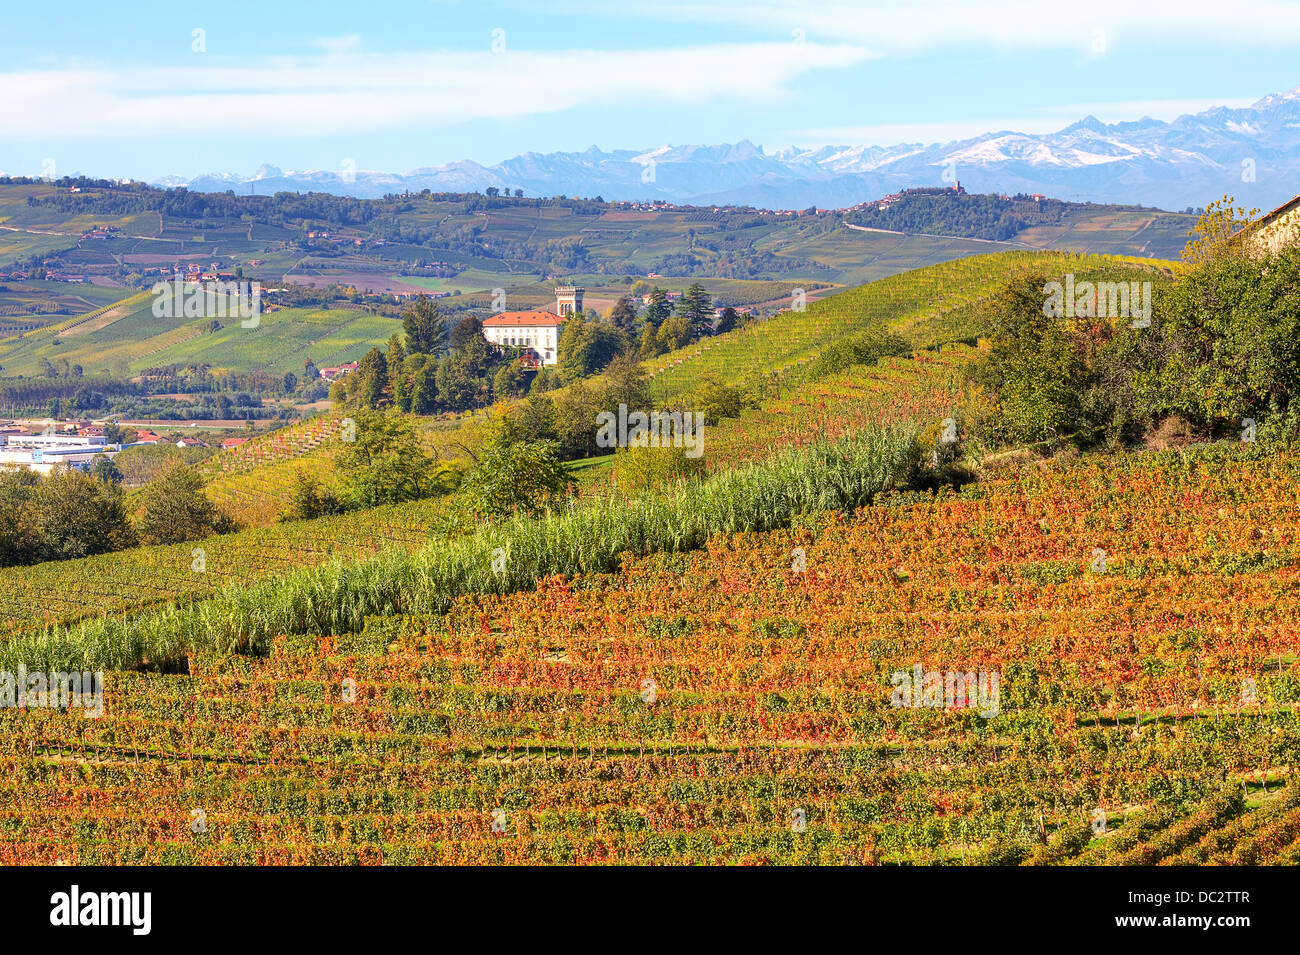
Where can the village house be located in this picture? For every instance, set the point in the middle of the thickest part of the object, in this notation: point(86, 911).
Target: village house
point(337, 371)
point(1275, 231)
point(538, 331)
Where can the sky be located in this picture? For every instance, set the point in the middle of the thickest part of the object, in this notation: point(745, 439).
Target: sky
point(150, 89)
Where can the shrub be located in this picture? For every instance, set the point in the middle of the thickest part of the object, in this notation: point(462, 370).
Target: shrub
point(646, 469)
point(309, 499)
point(524, 477)
point(173, 508)
point(718, 401)
point(864, 349)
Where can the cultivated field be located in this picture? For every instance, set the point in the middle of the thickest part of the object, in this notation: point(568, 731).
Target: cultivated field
point(725, 706)
point(806, 657)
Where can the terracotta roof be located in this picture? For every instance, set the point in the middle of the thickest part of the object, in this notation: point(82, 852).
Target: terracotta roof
point(513, 319)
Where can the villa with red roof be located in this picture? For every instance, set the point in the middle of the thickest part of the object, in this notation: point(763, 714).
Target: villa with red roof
point(538, 331)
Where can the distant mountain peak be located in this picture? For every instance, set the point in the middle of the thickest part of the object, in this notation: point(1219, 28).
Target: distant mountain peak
point(1277, 99)
point(1186, 162)
point(1089, 122)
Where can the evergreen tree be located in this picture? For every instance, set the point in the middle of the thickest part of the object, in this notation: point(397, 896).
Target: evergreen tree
point(424, 389)
point(458, 388)
point(465, 331)
point(425, 328)
point(370, 380)
point(623, 314)
point(696, 307)
point(658, 309)
point(395, 357)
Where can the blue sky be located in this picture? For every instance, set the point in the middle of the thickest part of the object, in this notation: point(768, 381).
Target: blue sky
point(133, 89)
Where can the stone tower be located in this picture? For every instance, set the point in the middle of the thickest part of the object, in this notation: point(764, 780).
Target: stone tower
point(568, 299)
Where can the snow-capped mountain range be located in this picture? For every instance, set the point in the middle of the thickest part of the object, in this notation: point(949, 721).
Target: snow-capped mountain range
point(1251, 153)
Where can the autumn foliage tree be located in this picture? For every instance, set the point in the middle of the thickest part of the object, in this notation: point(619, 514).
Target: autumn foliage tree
point(1212, 236)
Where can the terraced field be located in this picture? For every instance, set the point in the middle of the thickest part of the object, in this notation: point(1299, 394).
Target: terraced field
point(920, 390)
point(930, 306)
point(251, 483)
point(60, 592)
point(1082, 661)
point(740, 703)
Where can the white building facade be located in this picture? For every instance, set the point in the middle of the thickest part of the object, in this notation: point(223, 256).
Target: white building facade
point(44, 453)
point(538, 331)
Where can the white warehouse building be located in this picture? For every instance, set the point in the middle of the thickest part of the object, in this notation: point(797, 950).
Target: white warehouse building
point(44, 453)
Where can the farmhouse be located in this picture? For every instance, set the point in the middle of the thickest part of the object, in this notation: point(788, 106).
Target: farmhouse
point(337, 371)
point(537, 331)
point(1275, 231)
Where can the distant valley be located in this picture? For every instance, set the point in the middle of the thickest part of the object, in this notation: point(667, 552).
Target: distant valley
point(78, 258)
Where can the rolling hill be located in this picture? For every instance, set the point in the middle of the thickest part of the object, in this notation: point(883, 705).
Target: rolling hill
point(335, 252)
point(709, 673)
point(128, 338)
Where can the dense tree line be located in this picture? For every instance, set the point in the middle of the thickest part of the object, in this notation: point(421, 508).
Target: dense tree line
point(1219, 356)
point(318, 209)
point(25, 393)
point(944, 212)
point(69, 514)
point(402, 220)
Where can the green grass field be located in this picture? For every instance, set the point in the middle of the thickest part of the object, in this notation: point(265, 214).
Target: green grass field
point(137, 339)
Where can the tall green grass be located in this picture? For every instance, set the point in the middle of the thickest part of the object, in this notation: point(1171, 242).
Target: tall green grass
point(585, 537)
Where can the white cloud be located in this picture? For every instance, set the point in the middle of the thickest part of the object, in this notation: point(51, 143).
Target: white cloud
point(350, 91)
point(904, 26)
point(338, 44)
